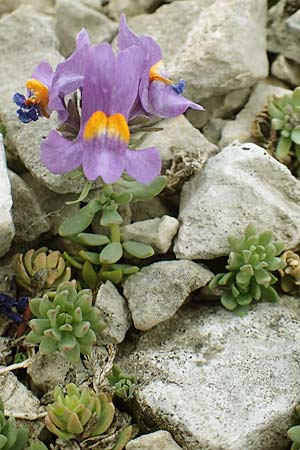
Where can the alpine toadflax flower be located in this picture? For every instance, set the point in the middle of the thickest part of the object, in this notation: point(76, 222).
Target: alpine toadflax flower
point(109, 92)
point(12, 308)
point(46, 89)
point(158, 95)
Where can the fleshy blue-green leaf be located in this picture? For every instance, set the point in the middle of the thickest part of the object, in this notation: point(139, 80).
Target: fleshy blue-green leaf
point(111, 253)
point(92, 239)
point(138, 249)
point(89, 275)
point(295, 135)
point(91, 257)
point(283, 148)
point(110, 216)
point(84, 217)
point(141, 191)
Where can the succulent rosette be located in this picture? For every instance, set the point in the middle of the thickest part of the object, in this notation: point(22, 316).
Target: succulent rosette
point(109, 92)
point(46, 88)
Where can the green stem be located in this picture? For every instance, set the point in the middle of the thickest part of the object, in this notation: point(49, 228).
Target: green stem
point(115, 235)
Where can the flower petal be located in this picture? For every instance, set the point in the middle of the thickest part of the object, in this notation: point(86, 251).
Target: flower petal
point(60, 155)
point(143, 165)
point(44, 73)
point(102, 157)
point(99, 81)
point(162, 100)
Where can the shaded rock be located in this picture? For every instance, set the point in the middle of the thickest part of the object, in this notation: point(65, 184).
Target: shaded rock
point(44, 6)
point(148, 209)
point(73, 16)
point(239, 130)
point(156, 292)
point(48, 371)
point(158, 232)
point(242, 184)
point(115, 314)
point(210, 379)
point(7, 229)
point(286, 70)
point(160, 440)
point(39, 40)
point(114, 8)
point(205, 43)
point(212, 130)
point(53, 205)
point(280, 37)
point(29, 219)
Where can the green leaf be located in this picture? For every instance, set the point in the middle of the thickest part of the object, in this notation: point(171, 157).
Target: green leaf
point(225, 278)
point(126, 269)
point(123, 438)
point(255, 289)
point(214, 282)
point(241, 311)
point(262, 277)
point(47, 346)
point(265, 238)
point(10, 431)
point(73, 260)
point(111, 253)
point(244, 299)
point(89, 275)
point(141, 191)
point(85, 191)
point(22, 438)
point(84, 217)
point(250, 230)
point(115, 276)
point(269, 294)
point(274, 110)
point(110, 216)
point(277, 124)
point(283, 148)
point(228, 301)
point(296, 97)
point(295, 135)
point(122, 198)
point(93, 239)
point(91, 257)
point(294, 434)
point(138, 249)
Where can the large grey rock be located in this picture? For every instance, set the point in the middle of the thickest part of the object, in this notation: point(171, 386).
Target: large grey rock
point(29, 219)
point(156, 292)
point(242, 184)
point(26, 38)
point(45, 6)
point(7, 229)
point(158, 232)
point(239, 130)
point(73, 16)
point(114, 8)
point(219, 382)
point(281, 38)
point(148, 209)
point(206, 44)
point(286, 70)
point(115, 313)
point(160, 440)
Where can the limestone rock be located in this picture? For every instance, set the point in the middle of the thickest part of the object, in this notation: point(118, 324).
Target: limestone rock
point(44, 6)
point(158, 232)
point(48, 371)
point(160, 440)
point(114, 8)
point(286, 70)
point(210, 379)
point(148, 209)
point(239, 130)
point(29, 219)
point(39, 42)
point(205, 43)
point(280, 38)
point(7, 229)
point(115, 313)
point(156, 292)
point(242, 184)
point(73, 16)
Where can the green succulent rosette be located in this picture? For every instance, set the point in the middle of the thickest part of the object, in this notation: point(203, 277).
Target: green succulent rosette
point(11, 438)
point(249, 276)
point(294, 433)
point(123, 385)
point(68, 322)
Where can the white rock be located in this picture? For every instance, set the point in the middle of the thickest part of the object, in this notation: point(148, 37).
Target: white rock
point(160, 440)
point(156, 292)
point(239, 130)
point(158, 232)
point(205, 43)
point(280, 37)
point(241, 185)
point(115, 313)
point(286, 70)
point(7, 229)
point(73, 16)
point(26, 38)
point(217, 381)
point(29, 219)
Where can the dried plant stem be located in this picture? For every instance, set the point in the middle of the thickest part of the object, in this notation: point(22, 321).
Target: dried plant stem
point(21, 365)
point(25, 416)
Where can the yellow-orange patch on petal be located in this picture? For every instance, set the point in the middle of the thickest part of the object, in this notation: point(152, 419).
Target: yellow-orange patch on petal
point(117, 127)
point(40, 92)
point(155, 75)
point(96, 125)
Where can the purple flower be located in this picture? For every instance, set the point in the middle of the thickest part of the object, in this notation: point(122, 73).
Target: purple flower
point(46, 89)
point(109, 91)
point(158, 95)
point(13, 308)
